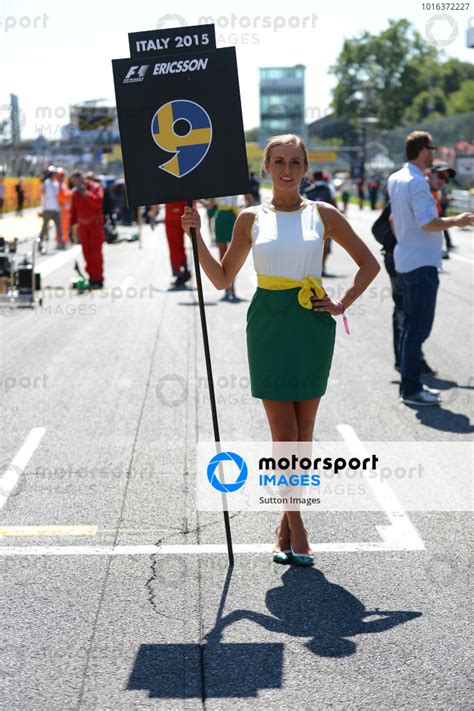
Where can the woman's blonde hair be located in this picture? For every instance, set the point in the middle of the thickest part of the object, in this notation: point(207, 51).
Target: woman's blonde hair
point(287, 139)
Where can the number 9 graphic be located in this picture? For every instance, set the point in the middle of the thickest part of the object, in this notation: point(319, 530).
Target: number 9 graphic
point(184, 128)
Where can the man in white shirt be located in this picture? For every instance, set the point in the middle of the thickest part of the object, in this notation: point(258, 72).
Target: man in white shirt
point(419, 233)
point(51, 208)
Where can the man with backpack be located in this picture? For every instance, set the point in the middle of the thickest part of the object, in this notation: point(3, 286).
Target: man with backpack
point(383, 233)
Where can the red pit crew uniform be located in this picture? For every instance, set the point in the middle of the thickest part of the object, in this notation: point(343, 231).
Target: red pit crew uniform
point(86, 211)
point(175, 235)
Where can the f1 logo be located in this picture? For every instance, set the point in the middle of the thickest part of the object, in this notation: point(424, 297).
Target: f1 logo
point(142, 70)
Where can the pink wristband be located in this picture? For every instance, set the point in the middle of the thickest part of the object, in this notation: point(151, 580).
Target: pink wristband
point(342, 308)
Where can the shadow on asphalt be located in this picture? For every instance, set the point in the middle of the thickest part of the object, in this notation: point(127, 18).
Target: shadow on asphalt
point(306, 605)
point(444, 420)
point(440, 418)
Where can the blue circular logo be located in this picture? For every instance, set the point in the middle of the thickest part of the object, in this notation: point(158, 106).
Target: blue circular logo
point(212, 472)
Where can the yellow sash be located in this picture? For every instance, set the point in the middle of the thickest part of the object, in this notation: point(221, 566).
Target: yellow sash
point(306, 284)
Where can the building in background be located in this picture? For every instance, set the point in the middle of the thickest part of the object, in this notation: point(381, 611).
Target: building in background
point(282, 101)
point(15, 120)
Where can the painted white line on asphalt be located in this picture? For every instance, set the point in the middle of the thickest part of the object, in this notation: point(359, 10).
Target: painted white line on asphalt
point(193, 549)
point(9, 479)
point(401, 532)
point(461, 259)
point(47, 531)
point(58, 260)
point(126, 283)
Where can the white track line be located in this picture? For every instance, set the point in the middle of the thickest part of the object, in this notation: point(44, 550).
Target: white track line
point(400, 535)
point(128, 281)
point(9, 479)
point(401, 532)
point(193, 549)
point(58, 260)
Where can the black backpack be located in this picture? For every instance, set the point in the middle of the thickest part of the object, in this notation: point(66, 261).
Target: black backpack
point(382, 230)
point(319, 192)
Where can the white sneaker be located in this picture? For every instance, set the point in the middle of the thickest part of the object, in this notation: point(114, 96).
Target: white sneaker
point(433, 391)
point(422, 398)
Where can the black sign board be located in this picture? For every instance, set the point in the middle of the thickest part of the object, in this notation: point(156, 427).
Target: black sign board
point(181, 126)
point(175, 40)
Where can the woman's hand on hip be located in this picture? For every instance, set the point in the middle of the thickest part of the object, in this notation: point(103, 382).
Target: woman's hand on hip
point(325, 305)
point(189, 219)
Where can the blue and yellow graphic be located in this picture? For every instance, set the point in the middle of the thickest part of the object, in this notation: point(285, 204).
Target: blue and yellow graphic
point(190, 148)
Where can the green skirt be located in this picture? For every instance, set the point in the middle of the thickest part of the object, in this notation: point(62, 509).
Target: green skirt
point(289, 347)
point(224, 225)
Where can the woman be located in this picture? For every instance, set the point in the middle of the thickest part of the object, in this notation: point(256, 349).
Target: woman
point(346, 194)
point(225, 217)
point(286, 237)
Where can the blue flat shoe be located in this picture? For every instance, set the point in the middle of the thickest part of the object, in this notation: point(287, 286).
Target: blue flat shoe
point(302, 559)
point(282, 557)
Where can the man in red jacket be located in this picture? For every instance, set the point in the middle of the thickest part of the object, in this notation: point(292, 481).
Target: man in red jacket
point(86, 212)
point(175, 237)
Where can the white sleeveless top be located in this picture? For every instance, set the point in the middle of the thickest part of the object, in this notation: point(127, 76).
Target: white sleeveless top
point(288, 244)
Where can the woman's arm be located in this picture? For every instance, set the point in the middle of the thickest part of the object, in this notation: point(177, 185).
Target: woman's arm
point(337, 227)
point(222, 274)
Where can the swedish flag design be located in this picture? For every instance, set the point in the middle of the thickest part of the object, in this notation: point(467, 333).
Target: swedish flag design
point(189, 149)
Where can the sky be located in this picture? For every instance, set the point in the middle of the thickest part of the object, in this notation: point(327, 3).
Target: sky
point(55, 53)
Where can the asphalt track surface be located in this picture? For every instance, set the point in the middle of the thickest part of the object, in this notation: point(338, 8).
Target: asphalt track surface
point(112, 595)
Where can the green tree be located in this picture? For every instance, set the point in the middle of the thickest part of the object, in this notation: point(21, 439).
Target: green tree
point(428, 104)
point(381, 74)
point(452, 73)
point(462, 100)
point(252, 134)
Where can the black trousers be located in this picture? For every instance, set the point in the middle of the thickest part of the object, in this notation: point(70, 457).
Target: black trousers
point(398, 314)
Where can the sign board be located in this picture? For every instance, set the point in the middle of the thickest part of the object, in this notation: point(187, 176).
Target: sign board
point(322, 156)
point(176, 40)
point(181, 127)
point(465, 165)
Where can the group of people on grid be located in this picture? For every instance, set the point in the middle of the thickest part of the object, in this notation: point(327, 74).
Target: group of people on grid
point(410, 228)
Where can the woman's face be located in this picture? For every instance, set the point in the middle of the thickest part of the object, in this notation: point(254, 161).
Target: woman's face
point(286, 166)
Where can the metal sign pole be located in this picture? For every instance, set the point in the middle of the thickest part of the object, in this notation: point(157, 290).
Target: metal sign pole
point(210, 379)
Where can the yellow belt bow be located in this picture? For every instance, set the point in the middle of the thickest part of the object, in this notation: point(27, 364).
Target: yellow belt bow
point(306, 284)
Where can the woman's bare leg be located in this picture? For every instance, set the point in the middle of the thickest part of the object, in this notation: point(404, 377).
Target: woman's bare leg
point(305, 416)
point(291, 422)
point(281, 417)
